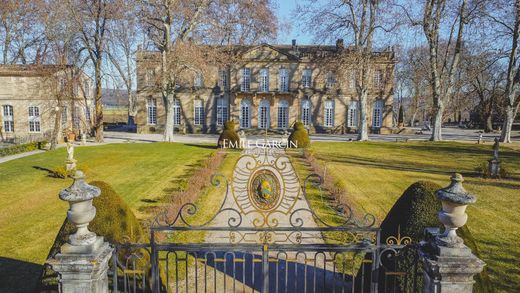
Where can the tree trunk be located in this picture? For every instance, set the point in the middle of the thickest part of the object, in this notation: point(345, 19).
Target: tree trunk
point(57, 127)
point(168, 126)
point(412, 120)
point(363, 127)
point(508, 124)
point(98, 103)
point(488, 127)
point(437, 122)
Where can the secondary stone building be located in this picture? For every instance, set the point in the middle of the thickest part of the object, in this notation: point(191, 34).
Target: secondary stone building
point(270, 87)
point(32, 95)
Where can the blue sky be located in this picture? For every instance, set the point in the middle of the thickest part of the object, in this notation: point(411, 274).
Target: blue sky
point(285, 8)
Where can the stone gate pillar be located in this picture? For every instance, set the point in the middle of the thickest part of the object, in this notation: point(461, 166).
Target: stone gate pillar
point(449, 265)
point(82, 263)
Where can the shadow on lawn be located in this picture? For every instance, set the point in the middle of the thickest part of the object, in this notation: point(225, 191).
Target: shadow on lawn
point(203, 146)
point(18, 276)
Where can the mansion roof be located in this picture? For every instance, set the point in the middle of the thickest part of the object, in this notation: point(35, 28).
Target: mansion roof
point(30, 69)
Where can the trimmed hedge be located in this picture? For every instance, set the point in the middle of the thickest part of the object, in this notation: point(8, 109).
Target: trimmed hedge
point(417, 210)
point(299, 136)
point(229, 136)
point(114, 220)
point(22, 148)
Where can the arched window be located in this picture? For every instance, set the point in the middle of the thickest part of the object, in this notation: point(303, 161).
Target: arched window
point(263, 115)
point(152, 111)
point(329, 113)
point(264, 80)
point(222, 111)
point(283, 80)
point(306, 112)
point(176, 112)
point(377, 118)
point(245, 114)
point(307, 78)
point(352, 119)
point(283, 114)
point(198, 115)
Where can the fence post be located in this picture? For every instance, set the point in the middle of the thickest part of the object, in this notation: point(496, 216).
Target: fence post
point(82, 263)
point(449, 265)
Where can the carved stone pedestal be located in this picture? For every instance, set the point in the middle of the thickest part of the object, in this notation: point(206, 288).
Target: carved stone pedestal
point(449, 270)
point(85, 273)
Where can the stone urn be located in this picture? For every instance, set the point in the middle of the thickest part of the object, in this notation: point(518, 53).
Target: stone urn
point(81, 212)
point(454, 199)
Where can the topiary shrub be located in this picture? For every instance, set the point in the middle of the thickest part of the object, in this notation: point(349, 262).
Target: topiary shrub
point(229, 137)
point(411, 214)
point(114, 220)
point(299, 137)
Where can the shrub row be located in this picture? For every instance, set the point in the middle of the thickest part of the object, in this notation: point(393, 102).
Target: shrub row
point(22, 148)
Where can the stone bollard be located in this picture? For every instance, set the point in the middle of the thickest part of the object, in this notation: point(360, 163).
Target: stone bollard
point(82, 263)
point(449, 265)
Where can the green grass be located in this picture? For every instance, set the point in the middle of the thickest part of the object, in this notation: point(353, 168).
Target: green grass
point(375, 174)
point(31, 212)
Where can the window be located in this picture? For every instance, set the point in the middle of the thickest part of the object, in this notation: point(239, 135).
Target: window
point(246, 79)
point(87, 114)
point(306, 112)
point(223, 79)
point(176, 112)
point(352, 115)
point(264, 80)
point(8, 118)
point(222, 111)
point(283, 114)
point(198, 116)
point(86, 88)
point(75, 117)
point(331, 80)
point(198, 82)
point(64, 117)
point(329, 113)
point(352, 81)
point(378, 78)
point(263, 114)
point(307, 78)
point(245, 114)
point(152, 111)
point(34, 119)
point(149, 77)
point(378, 114)
point(284, 80)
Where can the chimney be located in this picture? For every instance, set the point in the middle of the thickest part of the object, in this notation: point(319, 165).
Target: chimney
point(340, 44)
point(294, 43)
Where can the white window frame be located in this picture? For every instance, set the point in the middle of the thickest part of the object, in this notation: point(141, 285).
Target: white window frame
point(328, 117)
point(76, 120)
point(283, 78)
point(283, 114)
point(176, 112)
point(306, 112)
point(377, 117)
point(8, 120)
point(198, 81)
point(264, 119)
point(222, 111)
point(264, 80)
point(198, 112)
point(307, 78)
point(245, 114)
point(223, 79)
point(378, 78)
point(34, 119)
point(151, 110)
point(352, 114)
point(352, 81)
point(245, 85)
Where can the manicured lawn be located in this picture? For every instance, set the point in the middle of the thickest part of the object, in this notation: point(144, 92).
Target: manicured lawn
point(375, 174)
point(31, 212)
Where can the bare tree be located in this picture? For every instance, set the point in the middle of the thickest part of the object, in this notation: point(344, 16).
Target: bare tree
point(91, 19)
point(506, 17)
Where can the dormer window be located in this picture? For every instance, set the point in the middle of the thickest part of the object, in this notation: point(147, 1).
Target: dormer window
point(245, 85)
point(264, 80)
point(307, 78)
point(223, 79)
point(198, 82)
point(378, 78)
point(284, 80)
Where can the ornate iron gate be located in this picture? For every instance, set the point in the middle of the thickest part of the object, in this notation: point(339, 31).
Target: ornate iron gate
point(265, 237)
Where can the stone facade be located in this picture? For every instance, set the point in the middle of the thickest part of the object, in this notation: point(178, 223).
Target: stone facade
point(277, 95)
point(30, 96)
